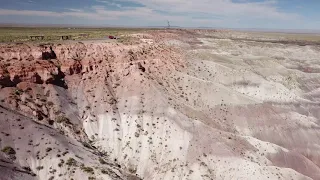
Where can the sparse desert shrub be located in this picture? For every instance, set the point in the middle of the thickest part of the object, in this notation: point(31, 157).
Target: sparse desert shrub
point(87, 169)
point(71, 162)
point(101, 153)
point(102, 161)
point(49, 103)
point(130, 52)
point(39, 168)
point(8, 150)
point(103, 171)
point(132, 170)
point(92, 137)
point(63, 119)
point(48, 149)
point(64, 153)
point(61, 163)
point(27, 168)
point(136, 134)
point(51, 178)
point(50, 122)
point(91, 178)
point(79, 157)
point(53, 171)
point(87, 145)
point(18, 92)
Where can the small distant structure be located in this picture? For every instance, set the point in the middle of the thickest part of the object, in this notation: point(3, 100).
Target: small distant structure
point(37, 37)
point(112, 37)
point(84, 35)
point(66, 37)
point(168, 24)
point(41, 37)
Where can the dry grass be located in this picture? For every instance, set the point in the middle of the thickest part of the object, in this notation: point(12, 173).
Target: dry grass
point(289, 36)
point(22, 34)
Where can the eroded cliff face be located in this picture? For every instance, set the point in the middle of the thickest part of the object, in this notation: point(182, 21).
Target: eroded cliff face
point(171, 106)
point(67, 97)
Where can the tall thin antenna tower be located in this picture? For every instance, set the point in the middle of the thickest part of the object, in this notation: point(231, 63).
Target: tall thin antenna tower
point(168, 24)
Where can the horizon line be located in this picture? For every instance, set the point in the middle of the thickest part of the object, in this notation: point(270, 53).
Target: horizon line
point(4, 25)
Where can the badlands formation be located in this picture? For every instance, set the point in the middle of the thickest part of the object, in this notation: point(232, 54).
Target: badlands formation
point(170, 104)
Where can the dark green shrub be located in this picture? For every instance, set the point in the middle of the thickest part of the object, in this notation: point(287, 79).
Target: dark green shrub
point(87, 169)
point(8, 150)
point(48, 149)
point(18, 92)
point(71, 162)
point(63, 119)
point(39, 168)
point(102, 161)
point(103, 171)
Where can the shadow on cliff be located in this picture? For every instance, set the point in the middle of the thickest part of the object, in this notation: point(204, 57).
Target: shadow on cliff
point(58, 80)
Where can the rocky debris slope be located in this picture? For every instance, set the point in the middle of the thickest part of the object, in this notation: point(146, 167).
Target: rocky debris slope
point(52, 95)
point(174, 105)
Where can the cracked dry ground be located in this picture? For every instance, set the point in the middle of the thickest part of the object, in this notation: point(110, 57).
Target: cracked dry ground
point(172, 105)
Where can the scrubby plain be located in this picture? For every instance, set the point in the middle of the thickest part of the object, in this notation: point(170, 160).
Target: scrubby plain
point(22, 34)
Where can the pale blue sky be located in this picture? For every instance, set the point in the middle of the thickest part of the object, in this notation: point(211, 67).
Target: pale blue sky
point(274, 14)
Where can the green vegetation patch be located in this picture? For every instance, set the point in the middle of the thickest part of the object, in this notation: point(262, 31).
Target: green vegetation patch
point(71, 162)
point(87, 169)
point(8, 150)
point(63, 119)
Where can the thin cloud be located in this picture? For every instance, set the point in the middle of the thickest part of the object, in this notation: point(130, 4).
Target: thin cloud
point(79, 14)
point(179, 12)
point(227, 8)
point(109, 3)
point(29, 13)
point(74, 10)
